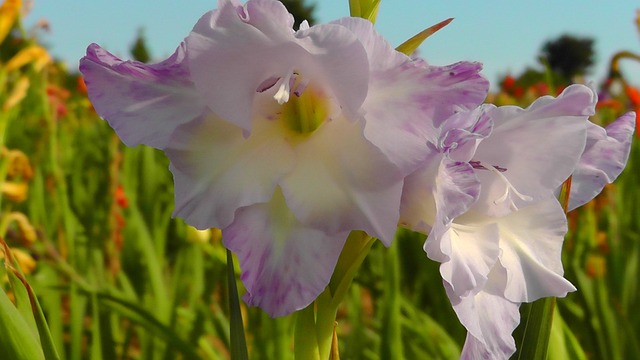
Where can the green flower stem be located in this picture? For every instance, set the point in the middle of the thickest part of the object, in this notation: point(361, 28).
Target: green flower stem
point(306, 343)
point(322, 314)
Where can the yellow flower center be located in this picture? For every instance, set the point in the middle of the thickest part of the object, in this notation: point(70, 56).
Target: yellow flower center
point(305, 113)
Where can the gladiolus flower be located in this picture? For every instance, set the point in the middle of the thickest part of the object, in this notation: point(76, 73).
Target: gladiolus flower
point(486, 196)
point(286, 140)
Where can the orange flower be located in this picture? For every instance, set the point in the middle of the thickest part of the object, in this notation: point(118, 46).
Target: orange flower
point(121, 197)
point(81, 86)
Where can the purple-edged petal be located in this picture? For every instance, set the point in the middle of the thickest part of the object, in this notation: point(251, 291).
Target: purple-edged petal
point(285, 265)
point(463, 132)
point(143, 103)
point(603, 159)
point(216, 170)
point(490, 320)
point(234, 51)
point(407, 103)
point(532, 151)
point(342, 182)
point(531, 246)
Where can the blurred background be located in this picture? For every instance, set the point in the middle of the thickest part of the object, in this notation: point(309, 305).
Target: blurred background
point(86, 224)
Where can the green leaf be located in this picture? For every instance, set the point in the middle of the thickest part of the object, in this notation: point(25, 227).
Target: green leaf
point(532, 336)
point(28, 306)
point(17, 340)
point(409, 46)
point(141, 316)
point(366, 9)
point(238, 342)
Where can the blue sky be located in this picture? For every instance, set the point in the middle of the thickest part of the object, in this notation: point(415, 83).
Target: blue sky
point(504, 35)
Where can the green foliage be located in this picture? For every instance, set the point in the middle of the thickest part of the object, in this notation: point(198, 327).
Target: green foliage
point(139, 49)
point(569, 56)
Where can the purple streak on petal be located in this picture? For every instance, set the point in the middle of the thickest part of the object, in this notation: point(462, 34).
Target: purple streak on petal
point(603, 159)
point(143, 103)
point(285, 265)
point(407, 104)
point(462, 133)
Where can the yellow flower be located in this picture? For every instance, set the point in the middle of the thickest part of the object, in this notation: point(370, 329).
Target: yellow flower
point(9, 11)
point(33, 54)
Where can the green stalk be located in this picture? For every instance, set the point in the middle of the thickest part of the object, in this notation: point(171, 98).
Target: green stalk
point(238, 342)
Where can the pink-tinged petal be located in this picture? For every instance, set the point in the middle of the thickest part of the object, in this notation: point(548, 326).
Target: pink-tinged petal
point(216, 170)
point(143, 103)
point(381, 54)
point(604, 158)
point(342, 182)
point(490, 320)
point(407, 103)
point(234, 51)
point(285, 265)
point(532, 151)
point(531, 246)
point(462, 133)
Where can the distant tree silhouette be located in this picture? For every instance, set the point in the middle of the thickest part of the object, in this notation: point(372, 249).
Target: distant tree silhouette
point(139, 49)
point(300, 11)
point(569, 56)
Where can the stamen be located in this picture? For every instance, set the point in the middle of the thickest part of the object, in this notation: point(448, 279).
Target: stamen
point(508, 188)
point(284, 90)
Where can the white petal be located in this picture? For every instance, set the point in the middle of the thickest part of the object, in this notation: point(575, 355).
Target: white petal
point(342, 182)
point(285, 265)
point(531, 245)
point(456, 189)
point(216, 170)
point(472, 251)
point(490, 320)
point(537, 149)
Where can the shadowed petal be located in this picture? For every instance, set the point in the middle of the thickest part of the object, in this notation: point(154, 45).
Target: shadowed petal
point(216, 170)
point(456, 189)
point(285, 265)
point(603, 159)
point(142, 103)
point(342, 182)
